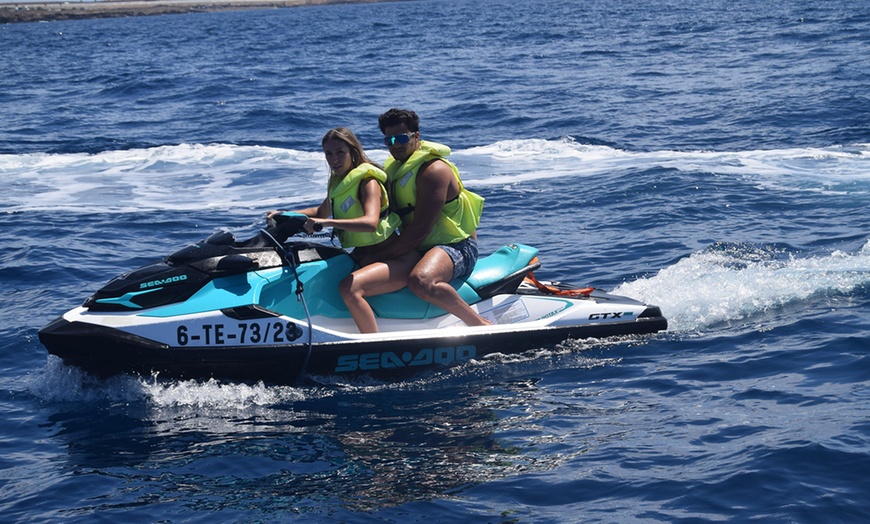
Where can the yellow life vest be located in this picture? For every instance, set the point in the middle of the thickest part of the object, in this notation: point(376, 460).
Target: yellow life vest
point(345, 203)
point(459, 217)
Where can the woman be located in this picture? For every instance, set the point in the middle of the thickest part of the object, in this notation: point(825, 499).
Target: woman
point(358, 205)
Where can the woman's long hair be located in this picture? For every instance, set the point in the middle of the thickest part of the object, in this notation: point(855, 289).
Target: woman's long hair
point(357, 153)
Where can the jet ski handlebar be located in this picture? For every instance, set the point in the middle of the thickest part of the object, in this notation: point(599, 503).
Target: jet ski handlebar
point(290, 223)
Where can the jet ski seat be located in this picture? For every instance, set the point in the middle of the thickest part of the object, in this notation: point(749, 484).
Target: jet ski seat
point(499, 273)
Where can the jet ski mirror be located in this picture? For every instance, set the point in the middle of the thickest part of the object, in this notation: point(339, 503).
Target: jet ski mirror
point(221, 238)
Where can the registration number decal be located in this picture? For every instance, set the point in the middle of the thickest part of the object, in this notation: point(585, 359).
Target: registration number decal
point(277, 332)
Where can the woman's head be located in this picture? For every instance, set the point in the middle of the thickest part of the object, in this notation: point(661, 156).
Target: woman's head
point(343, 150)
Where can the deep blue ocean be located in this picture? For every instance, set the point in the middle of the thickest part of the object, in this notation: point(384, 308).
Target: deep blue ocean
point(709, 157)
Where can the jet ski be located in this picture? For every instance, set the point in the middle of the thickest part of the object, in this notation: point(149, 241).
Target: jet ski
point(265, 309)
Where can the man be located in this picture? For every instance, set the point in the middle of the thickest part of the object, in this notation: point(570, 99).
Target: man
point(439, 219)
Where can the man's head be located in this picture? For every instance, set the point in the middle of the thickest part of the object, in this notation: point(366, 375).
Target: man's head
point(399, 116)
point(401, 129)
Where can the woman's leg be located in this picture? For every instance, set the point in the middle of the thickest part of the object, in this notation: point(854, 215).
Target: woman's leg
point(375, 279)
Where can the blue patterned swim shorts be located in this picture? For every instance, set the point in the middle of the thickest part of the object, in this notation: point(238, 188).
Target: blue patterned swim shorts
point(464, 256)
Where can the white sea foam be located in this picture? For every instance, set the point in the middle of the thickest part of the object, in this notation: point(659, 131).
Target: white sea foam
point(57, 382)
point(185, 177)
point(220, 176)
point(713, 286)
point(797, 169)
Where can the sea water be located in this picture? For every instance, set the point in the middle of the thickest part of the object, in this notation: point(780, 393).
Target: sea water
point(712, 158)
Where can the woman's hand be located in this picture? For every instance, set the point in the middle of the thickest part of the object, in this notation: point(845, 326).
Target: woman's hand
point(311, 226)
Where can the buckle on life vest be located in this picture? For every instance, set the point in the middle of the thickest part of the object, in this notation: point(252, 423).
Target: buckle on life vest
point(404, 211)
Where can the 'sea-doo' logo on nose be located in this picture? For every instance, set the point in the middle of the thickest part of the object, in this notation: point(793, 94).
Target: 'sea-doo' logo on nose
point(170, 280)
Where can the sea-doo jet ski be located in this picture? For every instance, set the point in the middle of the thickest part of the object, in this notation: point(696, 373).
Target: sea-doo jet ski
point(266, 309)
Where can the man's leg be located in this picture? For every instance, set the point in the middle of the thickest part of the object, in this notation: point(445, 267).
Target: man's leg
point(430, 280)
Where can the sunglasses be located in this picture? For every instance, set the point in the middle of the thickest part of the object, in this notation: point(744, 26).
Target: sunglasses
point(401, 140)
